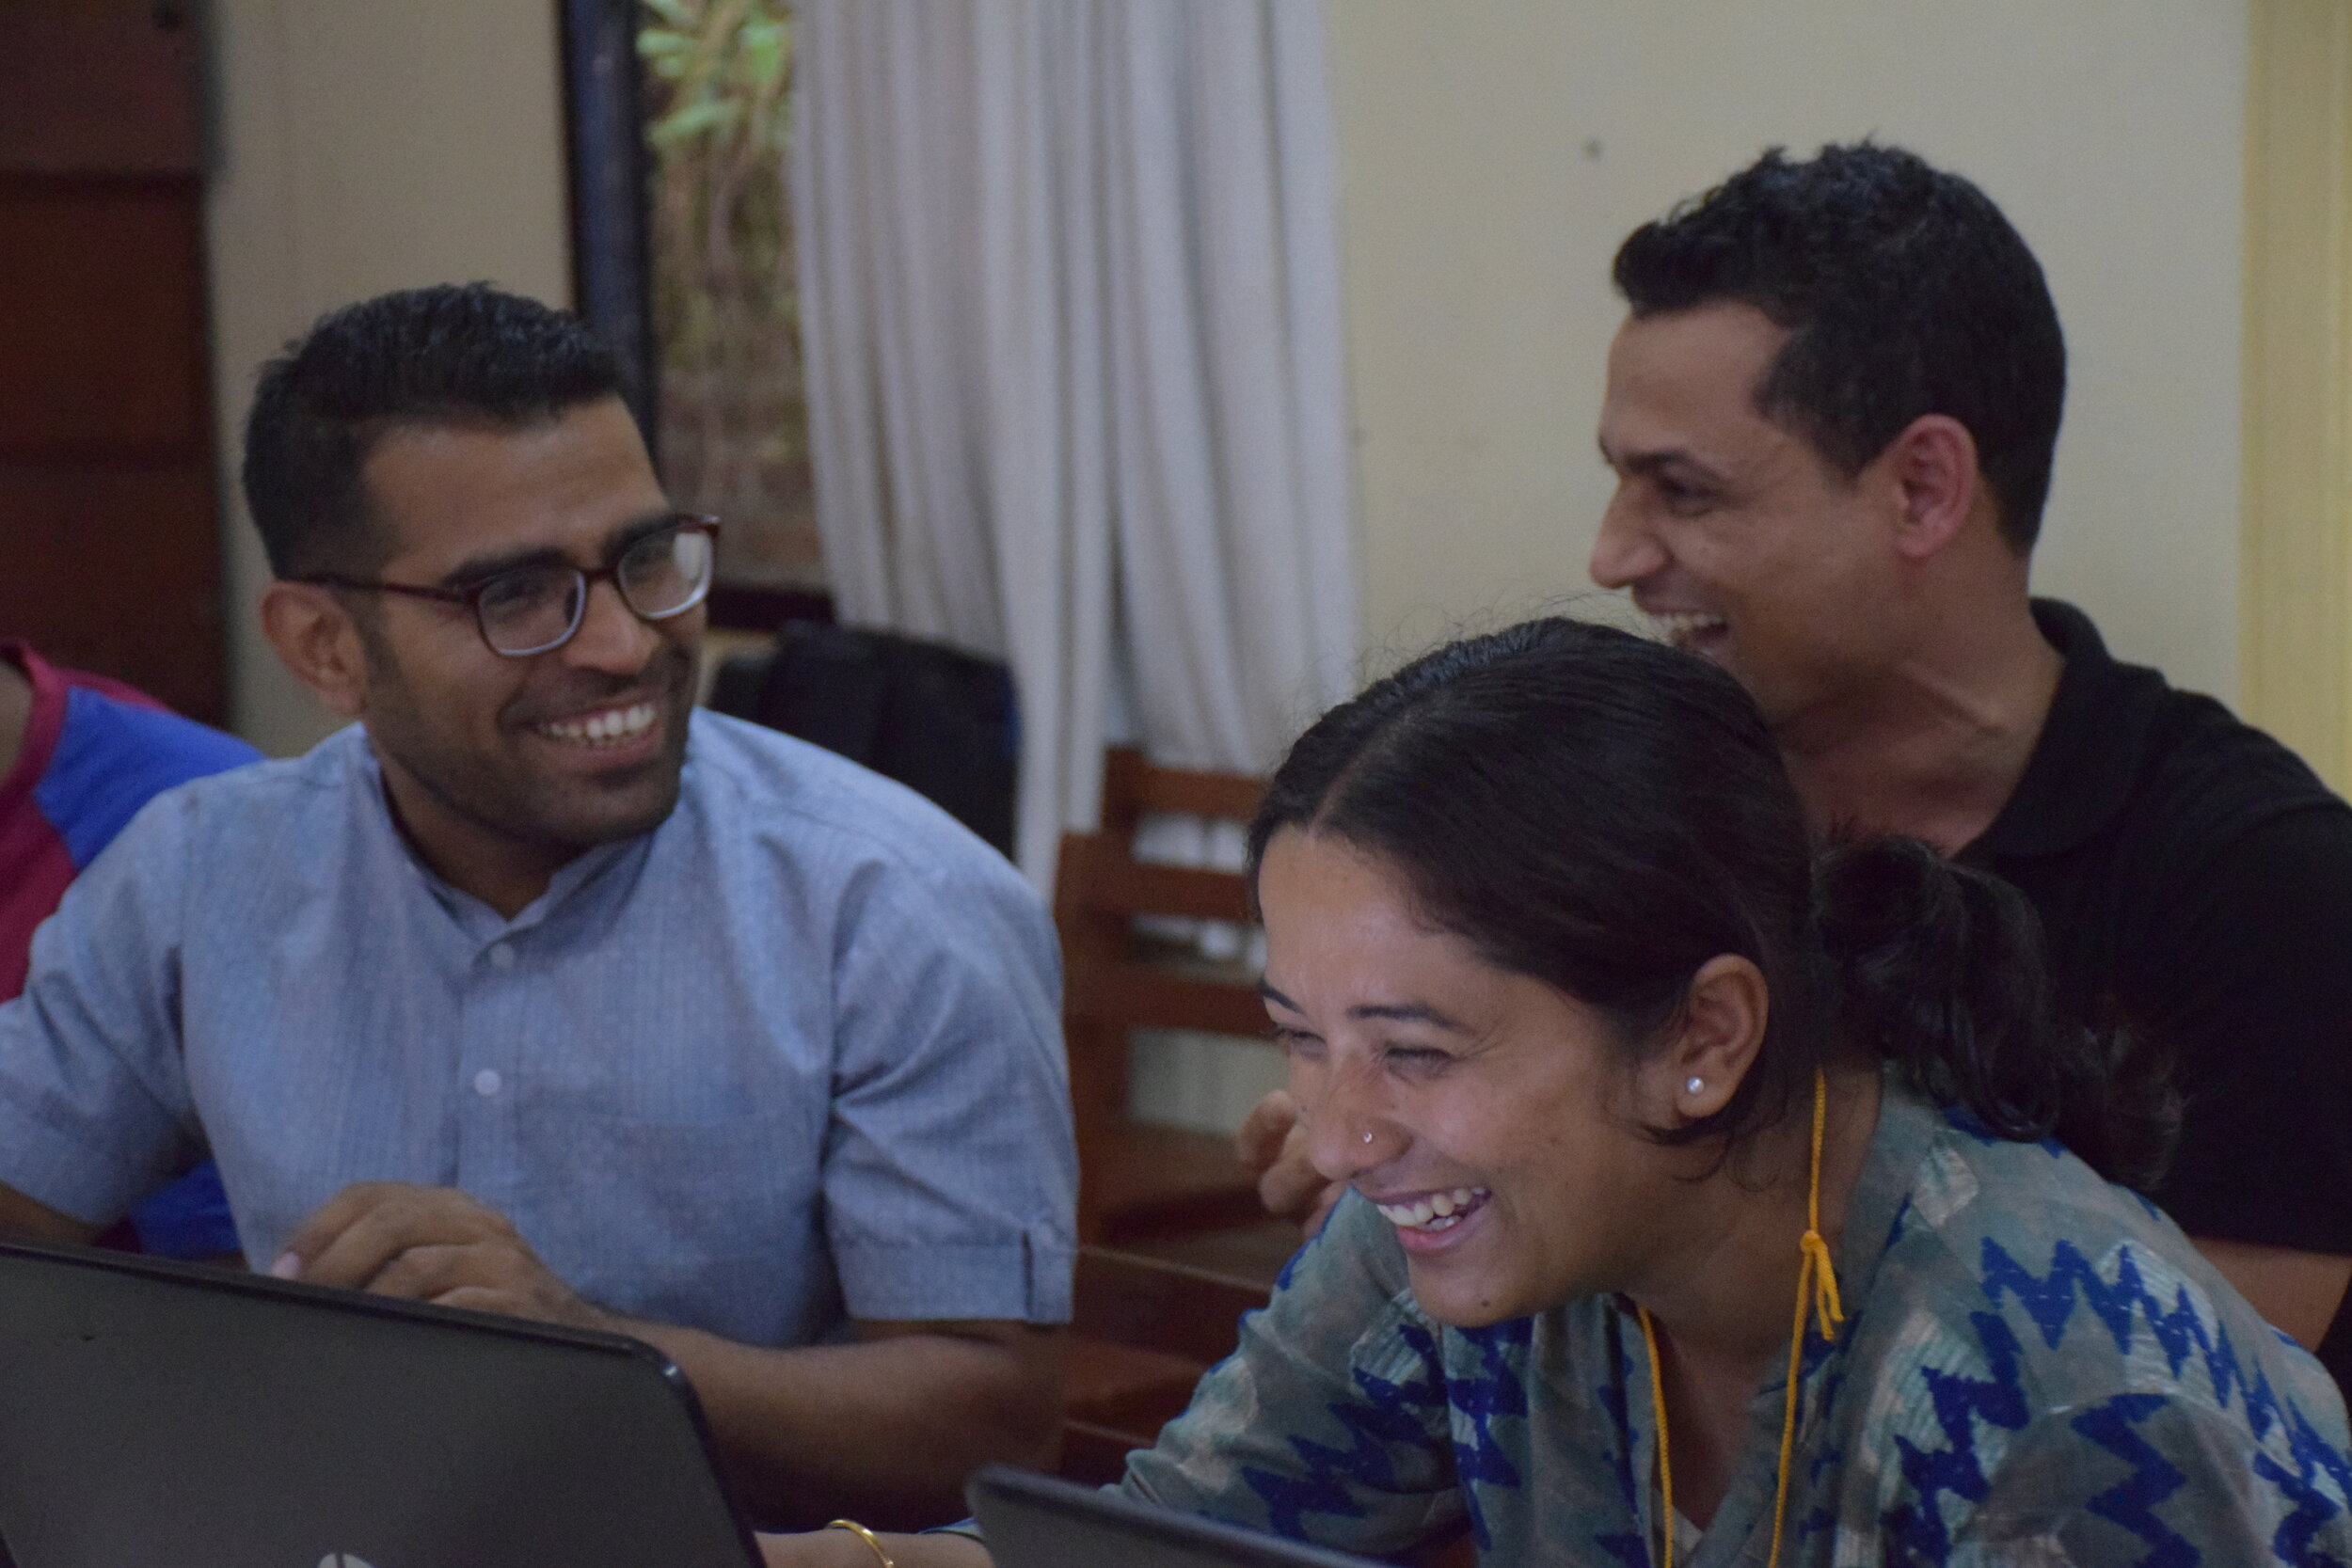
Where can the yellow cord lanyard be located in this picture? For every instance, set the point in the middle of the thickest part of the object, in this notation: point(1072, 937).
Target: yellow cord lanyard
point(1817, 1287)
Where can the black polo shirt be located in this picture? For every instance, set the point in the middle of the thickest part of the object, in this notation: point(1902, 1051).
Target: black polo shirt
point(2195, 879)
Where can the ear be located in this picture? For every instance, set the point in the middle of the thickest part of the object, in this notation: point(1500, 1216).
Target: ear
point(1723, 1028)
point(316, 638)
point(1933, 464)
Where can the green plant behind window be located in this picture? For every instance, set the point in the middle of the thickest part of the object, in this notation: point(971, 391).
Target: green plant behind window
point(734, 410)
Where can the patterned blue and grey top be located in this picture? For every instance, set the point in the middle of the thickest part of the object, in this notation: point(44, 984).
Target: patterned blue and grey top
point(2035, 1368)
point(790, 1057)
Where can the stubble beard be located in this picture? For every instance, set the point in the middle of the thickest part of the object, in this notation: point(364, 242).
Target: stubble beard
point(515, 803)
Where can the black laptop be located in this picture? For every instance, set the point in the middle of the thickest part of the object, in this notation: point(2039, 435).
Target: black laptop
point(170, 1414)
point(1034, 1521)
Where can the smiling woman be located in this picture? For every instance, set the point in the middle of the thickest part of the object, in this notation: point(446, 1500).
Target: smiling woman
point(1624, 1078)
point(1571, 999)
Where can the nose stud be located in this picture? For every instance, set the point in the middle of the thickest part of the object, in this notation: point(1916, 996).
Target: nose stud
point(1367, 1135)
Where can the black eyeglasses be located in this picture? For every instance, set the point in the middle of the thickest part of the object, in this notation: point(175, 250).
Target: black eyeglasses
point(530, 610)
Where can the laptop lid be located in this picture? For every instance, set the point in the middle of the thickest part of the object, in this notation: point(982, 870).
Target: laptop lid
point(165, 1413)
point(1035, 1521)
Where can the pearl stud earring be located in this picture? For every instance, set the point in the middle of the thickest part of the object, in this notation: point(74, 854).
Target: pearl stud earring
point(1693, 1086)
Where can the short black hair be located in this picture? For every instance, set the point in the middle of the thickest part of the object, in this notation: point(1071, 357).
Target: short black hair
point(450, 354)
point(1905, 293)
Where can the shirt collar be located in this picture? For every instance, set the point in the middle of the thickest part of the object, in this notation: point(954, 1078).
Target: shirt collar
point(480, 922)
point(573, 878)
point(1907, 1130)
point(2091, 746)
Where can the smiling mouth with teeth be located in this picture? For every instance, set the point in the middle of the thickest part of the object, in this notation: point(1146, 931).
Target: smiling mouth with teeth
point(611, 727)
point(1434, 1210)
point(1681, 626)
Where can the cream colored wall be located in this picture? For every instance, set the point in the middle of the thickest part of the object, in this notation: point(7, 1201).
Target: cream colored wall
point(2294, 609)
point(361, 146)
point(1493, 152)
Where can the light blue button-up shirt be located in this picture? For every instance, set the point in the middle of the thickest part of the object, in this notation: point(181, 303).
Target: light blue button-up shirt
point(791, 1057)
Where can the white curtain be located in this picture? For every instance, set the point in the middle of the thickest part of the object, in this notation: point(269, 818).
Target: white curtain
point(1070, 293)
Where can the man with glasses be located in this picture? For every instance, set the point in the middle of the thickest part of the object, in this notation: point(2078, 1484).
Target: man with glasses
point(537, 990)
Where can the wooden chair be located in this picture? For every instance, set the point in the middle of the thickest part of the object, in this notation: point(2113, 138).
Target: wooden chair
point(1137, 1180)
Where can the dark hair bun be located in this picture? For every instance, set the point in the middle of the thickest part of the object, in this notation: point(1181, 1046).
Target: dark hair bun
point(1944, 975)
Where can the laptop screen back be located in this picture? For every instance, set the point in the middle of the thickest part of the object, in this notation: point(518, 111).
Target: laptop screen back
point(158, 1413)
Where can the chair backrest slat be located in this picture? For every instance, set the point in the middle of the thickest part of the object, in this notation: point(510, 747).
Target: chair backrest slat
point(1135, 1181)
point(1126, 887)
point(1137, 997)
point(1156, 1305)
point(1133, 787)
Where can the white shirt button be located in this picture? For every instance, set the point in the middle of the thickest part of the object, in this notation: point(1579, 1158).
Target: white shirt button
point(501, 957)
point(488, 1083)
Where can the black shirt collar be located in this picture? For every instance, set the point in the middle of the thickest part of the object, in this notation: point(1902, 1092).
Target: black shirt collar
point(2088, 751)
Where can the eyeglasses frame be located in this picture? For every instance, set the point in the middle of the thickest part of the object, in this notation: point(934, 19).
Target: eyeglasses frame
point(470, 594)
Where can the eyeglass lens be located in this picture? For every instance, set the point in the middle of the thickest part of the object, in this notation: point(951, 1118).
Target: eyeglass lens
point(535, 607)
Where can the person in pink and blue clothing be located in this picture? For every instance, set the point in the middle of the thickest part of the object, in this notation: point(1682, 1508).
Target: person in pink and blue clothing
point(79, 755)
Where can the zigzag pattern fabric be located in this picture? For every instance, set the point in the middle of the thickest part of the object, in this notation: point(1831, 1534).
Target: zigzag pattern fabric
point(2036, 1368)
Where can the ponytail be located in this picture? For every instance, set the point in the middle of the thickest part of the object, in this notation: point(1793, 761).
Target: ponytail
point(1940, 971)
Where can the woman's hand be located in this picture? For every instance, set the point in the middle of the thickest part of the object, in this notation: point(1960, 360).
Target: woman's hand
point(841, 1548)
point(818, 1548)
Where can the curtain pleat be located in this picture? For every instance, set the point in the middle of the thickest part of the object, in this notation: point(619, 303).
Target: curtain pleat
point(1070, 282)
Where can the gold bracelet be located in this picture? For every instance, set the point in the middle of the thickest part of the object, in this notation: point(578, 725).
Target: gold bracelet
point(866, 1535)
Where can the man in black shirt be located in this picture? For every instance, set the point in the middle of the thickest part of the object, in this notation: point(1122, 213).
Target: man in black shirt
point(1832, 414)
point(2194, 880)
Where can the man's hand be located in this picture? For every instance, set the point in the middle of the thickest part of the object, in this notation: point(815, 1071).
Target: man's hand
point(430, 1244)
point(1273, 1142)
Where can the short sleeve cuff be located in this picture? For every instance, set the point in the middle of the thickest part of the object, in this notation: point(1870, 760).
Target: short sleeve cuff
point(1025, 1279)
point(62, 1171)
